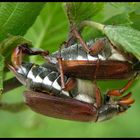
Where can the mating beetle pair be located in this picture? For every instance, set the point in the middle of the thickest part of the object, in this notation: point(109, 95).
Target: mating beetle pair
point(56, 88)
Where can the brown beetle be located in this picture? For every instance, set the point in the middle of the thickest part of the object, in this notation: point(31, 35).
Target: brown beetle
point(75, 102)
point(93, 60)
point(103, 108)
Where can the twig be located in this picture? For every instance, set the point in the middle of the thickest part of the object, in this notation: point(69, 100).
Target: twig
point(11, 84)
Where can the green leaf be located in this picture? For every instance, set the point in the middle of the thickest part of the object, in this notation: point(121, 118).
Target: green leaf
point(17, 17)
point(1, 72)
point(50, 28)
point(135, 18)
point(120, 19)
point(79, 11)
point(126, 7)
point(126, 38)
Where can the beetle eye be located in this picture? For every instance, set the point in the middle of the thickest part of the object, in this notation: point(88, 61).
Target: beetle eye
point(106, 99)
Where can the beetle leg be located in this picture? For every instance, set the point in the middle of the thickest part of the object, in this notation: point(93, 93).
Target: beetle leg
point(59, 58)
point(77, 35)
point(29, 51)
point(98, 96)
point(23, 49)
point(97, 90)
point(97, 47)
point(121, 91)
point(128, 84)
point(70, 84)
point(26, 50)
point(61, 72)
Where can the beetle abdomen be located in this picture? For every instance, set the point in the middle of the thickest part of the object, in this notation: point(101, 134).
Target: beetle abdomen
point(77, 53)
point(39, 78)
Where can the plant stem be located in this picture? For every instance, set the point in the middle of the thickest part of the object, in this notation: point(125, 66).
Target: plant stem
point(93, 24)
point(11, 84)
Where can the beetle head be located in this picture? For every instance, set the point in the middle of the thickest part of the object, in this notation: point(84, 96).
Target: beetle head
point(110, 108)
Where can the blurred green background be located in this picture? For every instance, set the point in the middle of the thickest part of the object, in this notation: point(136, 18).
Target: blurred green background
point(48, 32)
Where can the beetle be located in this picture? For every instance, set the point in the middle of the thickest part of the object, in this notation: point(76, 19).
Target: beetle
point(45, 95)
point(98, 59)
point(107, 64)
